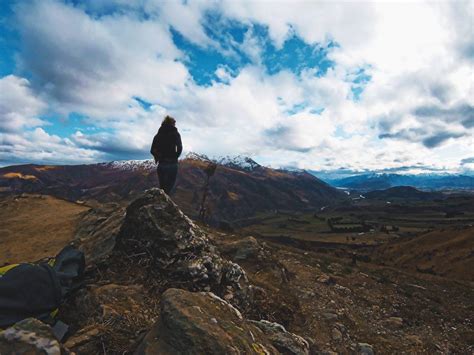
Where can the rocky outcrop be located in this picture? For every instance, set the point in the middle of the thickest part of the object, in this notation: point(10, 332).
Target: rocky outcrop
point(244, 249)
point(155, 226)
point(161, 272)
point(30, 336)
point(202, 323)
point(284, 341)
point(97, 232)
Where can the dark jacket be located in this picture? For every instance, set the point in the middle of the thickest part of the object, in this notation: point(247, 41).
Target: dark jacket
point(167, 146)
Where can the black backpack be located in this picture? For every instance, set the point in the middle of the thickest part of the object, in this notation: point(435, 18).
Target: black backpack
point(38, 289)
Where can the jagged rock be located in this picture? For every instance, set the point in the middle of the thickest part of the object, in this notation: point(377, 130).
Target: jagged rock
point(336, 334)
point(284, 341)
point(365, 349)
point(97, 232)
point(30, 336)
point(156, 226)
point(202, 323)
point(244, 249)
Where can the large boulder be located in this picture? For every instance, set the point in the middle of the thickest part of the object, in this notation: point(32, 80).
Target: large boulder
point(30, 336)
point(97, 232)
point(203, 323)
point(244, 249)
point(155, 227)
point(284, 341)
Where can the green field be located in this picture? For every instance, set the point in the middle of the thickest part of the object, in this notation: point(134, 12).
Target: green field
point(382, 221)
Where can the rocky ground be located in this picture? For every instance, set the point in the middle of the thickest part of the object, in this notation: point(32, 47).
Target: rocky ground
point(159, 283)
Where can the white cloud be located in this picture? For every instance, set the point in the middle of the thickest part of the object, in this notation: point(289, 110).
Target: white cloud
point(96, 66)
point(418, 55)
point(39, 146)
point(19, 106)
point(21, 138)
point(348, 23)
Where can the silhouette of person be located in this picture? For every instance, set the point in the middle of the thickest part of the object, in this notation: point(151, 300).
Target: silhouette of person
point(166, 149)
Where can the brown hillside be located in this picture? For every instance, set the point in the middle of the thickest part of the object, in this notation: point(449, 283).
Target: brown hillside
point(448, 252)
point(234, 193)
point(35, 226)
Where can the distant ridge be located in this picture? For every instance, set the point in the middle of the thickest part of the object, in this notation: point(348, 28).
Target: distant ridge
point(239, 189)
point(404, 193)
point(236, 162)
point(379, 181)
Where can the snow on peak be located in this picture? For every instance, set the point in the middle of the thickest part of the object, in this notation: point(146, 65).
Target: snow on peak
point(236, 162)
point(196, 156)
point(239, 161)
point(131, 165)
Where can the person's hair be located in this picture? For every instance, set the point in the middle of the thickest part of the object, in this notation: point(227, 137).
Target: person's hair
point(169, 120)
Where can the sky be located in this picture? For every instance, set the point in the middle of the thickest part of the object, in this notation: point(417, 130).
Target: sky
point(339, 86)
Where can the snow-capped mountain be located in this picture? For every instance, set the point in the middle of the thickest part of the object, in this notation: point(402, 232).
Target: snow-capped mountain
point(379, 181)
point(131, 165)
point(236, 162)
point(233, 195)
point(197, 156)
point(239, 162)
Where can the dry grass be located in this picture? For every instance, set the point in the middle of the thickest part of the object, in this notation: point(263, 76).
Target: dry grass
point(34, 227)
point(19, 175)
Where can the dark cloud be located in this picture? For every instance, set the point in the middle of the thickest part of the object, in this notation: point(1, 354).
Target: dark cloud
point(441, 91)
point(467, 161)
point(65, 62)
point(429, 140)
point(468, 122)
point(111, 145)
point(463, 113)
point(436, 124)
point(461, 14)
point(285, 137)
point(437, 139)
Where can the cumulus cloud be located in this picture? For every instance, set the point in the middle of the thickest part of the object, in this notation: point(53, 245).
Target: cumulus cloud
point(38, 146)
point(21, 137)
point(19, 105)
point(414, 107)
point(96, 66)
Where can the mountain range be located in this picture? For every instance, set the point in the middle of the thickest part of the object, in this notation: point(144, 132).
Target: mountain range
point(239, 189)
point(379, 181)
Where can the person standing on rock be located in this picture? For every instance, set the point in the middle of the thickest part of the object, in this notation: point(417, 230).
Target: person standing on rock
point(166, 149)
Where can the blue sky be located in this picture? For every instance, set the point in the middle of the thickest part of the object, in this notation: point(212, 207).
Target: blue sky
point(322, 86)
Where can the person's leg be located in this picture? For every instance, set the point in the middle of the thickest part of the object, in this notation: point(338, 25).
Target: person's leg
point(167, 176)
point(161, 175)
point(166, 179)
point(173, 172)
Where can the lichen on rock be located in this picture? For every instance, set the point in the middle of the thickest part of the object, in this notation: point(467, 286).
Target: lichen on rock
point(203, 323)
point(154, 225)
point(30, 336)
